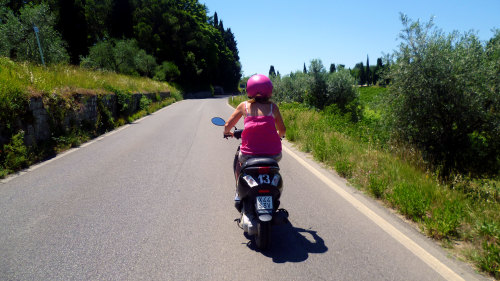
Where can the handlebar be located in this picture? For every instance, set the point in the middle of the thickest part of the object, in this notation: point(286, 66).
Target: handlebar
point(236, 134)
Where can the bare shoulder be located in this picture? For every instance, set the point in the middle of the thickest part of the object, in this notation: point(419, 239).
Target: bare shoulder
point(241, 105)
point(275, 107)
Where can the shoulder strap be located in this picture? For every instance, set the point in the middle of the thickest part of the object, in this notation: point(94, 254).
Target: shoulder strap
point(271, 113)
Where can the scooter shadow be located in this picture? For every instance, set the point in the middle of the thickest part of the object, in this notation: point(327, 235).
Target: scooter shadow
point(291, 244)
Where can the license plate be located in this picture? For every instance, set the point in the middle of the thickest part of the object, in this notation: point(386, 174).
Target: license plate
point(264, 202)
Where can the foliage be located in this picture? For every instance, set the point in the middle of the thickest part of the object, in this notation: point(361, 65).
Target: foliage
point(442, 211)
point(291, 88)
point(316, 94)
point(142, 34)
point(122, 56)
point(319, 89)
point(16, 153)
point(167, 71)
point(446, 102)
point(56, 84)
point(13, 98)
point(18, 39)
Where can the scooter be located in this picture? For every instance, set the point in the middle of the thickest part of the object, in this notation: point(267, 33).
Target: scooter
point(259, 186)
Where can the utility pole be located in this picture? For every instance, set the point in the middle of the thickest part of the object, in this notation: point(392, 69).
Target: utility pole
point(38, 40)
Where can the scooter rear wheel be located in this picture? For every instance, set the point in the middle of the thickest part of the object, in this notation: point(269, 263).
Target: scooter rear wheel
point(263, 237)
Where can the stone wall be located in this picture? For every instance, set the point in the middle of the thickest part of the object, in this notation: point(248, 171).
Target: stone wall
point(82, 109)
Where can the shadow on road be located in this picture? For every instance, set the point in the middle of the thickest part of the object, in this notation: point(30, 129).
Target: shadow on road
point(292, 244)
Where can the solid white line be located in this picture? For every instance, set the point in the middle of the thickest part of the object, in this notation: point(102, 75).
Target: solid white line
point(39, 165)
point(411, 245)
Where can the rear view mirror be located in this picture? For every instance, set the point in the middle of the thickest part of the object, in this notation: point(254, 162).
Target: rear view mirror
point(218, 121)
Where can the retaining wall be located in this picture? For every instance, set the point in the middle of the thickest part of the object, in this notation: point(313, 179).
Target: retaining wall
point(80, 110)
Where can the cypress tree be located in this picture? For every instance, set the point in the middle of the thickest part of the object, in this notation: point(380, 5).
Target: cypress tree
point(362, 75)
point(368, 76)
point(305, 69)
point(332, 68)
point(216, 20)
point(272, 72)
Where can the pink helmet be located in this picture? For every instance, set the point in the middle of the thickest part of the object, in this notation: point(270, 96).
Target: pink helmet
point(259, 84)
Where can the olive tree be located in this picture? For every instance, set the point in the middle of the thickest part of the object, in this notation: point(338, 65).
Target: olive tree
point(18, 39)
point(444, 99)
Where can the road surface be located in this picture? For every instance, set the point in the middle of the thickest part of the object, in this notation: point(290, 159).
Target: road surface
point(153, 201)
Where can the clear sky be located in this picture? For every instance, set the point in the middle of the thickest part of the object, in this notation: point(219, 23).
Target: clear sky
point(289, 33)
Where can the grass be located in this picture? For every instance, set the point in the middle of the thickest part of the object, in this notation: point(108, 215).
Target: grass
point(465, 211)
point(57, 84)
point(34, 79)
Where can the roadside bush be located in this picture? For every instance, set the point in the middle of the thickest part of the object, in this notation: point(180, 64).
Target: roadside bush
point(100, 57)
point(317, 94)
point(319, 89)
point(290, 88)
point(122, 56)
point(167, 71)
point(16, 153)
point(446, 98)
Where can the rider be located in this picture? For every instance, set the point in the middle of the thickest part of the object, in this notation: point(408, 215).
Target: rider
point(263, 128)
point(262, 119)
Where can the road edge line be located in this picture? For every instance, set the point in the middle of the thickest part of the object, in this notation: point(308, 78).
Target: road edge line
point(404, 240)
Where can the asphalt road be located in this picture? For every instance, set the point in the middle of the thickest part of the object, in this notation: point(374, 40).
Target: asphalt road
point(153, 201)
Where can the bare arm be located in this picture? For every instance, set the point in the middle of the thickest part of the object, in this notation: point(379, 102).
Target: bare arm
point(279, 122)
point(235, 117)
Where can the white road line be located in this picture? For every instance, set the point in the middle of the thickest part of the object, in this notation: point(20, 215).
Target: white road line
point(411, 245)
point(39, 165)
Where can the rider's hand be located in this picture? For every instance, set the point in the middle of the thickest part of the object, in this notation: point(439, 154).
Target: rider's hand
point(228, 135)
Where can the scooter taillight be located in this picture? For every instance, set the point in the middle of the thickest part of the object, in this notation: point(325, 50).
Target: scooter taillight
point(264, 170)
point(264, 191)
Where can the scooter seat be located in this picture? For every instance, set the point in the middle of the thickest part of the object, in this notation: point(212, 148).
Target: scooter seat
point(260, 162)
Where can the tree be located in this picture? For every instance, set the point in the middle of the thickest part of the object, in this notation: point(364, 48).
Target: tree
point(316, 95)
point(216, 20)
point(332, 68)
point(167, 71)
point(378, 70)
point(305, 69)
point(359, 73)
point(120, 19)
point(367, 73)
point(18, 39)
point(96, 16)
point(445, 101)
point(272, 72)
point(71, 17)
point(123, 56)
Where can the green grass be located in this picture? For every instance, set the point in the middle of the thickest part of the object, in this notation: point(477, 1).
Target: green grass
point(56, 85)
point(61, 79)
point(465, 210)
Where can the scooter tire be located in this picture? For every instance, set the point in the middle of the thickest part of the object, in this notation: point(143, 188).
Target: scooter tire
point(263, 236)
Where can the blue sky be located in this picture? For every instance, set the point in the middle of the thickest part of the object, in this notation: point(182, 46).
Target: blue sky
point(289, 33)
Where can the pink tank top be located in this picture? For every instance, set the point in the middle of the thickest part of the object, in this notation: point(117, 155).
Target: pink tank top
point(260, 136)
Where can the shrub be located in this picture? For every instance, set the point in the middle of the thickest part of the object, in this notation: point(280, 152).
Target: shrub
point(16, 153)
point(291, 88)
point(18, 40)
point(319, 89)
point(144, 103)
point(411, 200)
point(444, 100)
point(100, 57)
point(167, 71)
point(122, 56)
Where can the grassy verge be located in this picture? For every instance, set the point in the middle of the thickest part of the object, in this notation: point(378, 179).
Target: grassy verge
point(464, 215)
point(57, 85)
